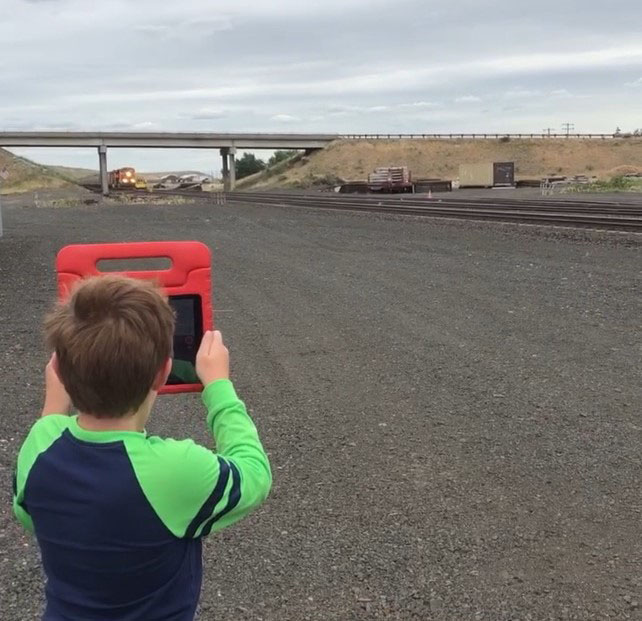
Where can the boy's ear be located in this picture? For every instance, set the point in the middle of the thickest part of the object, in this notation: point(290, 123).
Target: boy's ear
point(162, 375)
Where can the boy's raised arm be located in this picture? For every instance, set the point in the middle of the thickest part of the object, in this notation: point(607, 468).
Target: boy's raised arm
point(244, 476)
point(244, 468)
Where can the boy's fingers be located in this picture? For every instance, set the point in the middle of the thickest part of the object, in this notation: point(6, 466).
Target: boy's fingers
point(206, 343)
point(217, 338)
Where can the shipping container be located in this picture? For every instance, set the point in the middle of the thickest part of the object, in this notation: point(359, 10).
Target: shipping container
point(487, 175)
point(503, 174)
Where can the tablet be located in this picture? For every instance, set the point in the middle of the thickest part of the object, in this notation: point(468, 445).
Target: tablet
point(187, 284)
point(188, 335)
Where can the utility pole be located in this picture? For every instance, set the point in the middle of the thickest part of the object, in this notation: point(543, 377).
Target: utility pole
point(548, 130)
point(568, 127)
point(4, 175)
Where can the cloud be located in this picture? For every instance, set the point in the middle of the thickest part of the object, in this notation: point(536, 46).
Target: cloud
point(215, 24)
point(285, 118)
point(386, 82)
point(521, 93)
point(208, 115)
point(189, 28)
point(417, 105)
point(152, 29)
point(342, 110)
point(318, 66)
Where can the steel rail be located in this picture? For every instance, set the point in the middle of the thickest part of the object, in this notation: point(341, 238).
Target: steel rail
point(581, 215)
point(599, 215)
point(415, 201)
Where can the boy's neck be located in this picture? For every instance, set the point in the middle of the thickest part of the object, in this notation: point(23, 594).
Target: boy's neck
point(130, 422)
point(133, 422)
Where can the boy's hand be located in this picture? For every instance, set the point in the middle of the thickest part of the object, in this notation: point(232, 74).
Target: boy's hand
point(212, 359)
point(57, 400)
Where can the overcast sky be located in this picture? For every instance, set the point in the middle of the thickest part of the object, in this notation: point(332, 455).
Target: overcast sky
point(314, 66)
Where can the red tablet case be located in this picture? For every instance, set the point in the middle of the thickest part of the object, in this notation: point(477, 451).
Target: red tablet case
point(190, 273)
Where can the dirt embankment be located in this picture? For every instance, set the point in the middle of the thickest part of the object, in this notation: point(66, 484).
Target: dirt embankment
point(23, 175)
point(353, 160)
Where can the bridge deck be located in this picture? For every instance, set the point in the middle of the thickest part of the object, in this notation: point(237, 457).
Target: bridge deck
point(184, 140)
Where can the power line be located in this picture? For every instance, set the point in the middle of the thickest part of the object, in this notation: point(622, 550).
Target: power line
point(548, 130)
point(568, 127)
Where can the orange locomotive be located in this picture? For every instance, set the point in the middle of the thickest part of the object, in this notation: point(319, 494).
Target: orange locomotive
point(122, 178)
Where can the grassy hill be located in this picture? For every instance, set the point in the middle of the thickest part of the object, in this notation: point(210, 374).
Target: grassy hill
point(353, 160)
point(26, 176)
point(75, 174)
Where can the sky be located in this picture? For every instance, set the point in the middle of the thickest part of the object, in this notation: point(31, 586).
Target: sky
point(335, 66)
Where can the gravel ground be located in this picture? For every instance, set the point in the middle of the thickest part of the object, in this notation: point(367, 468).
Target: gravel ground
point(452, 410)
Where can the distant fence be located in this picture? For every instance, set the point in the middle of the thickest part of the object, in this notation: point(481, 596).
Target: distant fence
point(488, 136)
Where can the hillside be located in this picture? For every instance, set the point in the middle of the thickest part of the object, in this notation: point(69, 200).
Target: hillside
point(75, 174)
point(353, 160)
point(25, 175)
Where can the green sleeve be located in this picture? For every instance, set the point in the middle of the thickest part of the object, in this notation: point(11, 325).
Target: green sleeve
point(194, 490)
point(41, 436)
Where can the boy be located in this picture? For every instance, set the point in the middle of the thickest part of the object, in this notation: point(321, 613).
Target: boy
point(119, 515)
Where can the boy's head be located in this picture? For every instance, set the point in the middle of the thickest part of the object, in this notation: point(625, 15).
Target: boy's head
point(112, 338)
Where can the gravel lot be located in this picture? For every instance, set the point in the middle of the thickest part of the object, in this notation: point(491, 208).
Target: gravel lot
point(452, 410)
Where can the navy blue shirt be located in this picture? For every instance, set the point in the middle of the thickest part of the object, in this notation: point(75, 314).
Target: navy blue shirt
point(119, 515)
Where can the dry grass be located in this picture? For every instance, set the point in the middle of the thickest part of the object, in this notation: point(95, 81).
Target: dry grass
point(32, 184)
point(353, 160)
point(27, 176)
point(153, 199)
point(75, 174)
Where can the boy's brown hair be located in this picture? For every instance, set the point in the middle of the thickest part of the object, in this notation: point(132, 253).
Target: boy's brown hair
point(111, 338)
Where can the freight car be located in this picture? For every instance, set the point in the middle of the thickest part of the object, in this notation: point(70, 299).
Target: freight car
point(391, 179)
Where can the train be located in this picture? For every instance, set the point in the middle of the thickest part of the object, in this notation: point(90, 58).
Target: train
point(123, 178)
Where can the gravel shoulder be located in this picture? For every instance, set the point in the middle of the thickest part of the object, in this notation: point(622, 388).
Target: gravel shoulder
point(452, 410)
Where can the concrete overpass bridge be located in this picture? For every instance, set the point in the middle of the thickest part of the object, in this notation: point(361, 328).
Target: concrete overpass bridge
point(226, 143)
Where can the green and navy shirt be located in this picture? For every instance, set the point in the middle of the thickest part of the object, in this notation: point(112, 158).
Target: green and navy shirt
point(119, 515)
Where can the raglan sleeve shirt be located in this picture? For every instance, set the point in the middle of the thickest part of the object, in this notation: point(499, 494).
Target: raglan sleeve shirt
point(193, 490)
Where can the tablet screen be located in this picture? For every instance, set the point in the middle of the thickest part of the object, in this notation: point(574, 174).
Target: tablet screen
point(187, 338)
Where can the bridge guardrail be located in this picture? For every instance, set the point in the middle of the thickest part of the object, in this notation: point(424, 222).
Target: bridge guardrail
point(485, 136)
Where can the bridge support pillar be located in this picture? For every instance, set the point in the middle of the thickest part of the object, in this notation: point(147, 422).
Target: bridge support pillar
point(228, 155)
point(225, 171)
point(102, 162)
point(232, 154)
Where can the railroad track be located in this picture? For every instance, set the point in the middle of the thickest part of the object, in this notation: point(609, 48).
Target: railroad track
point(617, 215)
point(575, 213)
